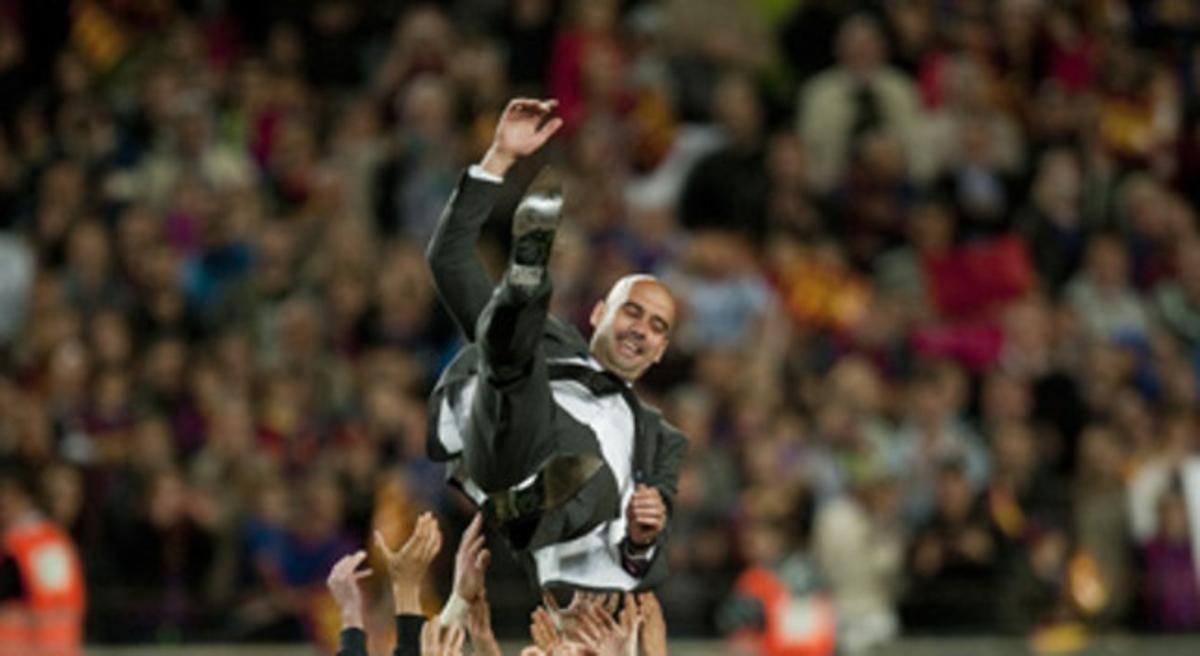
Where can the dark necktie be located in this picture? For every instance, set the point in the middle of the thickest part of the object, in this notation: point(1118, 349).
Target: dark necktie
point(601, 383)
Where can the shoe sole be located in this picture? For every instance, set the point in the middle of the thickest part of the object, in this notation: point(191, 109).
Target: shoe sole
point(537, 219)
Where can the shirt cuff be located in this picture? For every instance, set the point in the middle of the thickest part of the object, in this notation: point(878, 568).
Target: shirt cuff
point(636, 562)
point(476, 171)
point(645, 556)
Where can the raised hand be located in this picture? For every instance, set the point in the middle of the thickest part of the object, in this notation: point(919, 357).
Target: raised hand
point(566, 620)
point(407, 567)
point(437, 640)
point(524, 127)
point(606, 637)
point(343, 585)
point(646, 515)
point(653, 634)
point(543, 630)
point(471, 563)
point(479, 629)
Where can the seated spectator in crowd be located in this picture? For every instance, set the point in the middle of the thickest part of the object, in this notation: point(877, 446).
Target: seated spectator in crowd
point(1053, 222)
point(953, 561)
point(1176, 302)
point(1170, 593)
point(933, 432)
point(165, 556)
point(723, 293)
point(727, 189)
point(1102, 296)
point(1103, 553)
point(862, 93)
point(858, 545)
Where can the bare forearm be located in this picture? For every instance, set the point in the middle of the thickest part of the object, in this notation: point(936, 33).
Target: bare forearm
point(497, 162)
point(485, 644)
point(479, 628)
point(407, 598)
point(352, 619)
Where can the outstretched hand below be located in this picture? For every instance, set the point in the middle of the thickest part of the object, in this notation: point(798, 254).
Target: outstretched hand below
point(343, 585)
point(471, 562)
point(407, 566)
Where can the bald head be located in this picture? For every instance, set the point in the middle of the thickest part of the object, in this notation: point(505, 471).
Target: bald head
point(633, 325)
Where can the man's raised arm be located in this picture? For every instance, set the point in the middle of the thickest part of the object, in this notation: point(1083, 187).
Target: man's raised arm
point(459, 276)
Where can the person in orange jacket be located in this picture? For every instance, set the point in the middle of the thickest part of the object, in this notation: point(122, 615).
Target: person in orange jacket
point(778, 606)
point(41, 580)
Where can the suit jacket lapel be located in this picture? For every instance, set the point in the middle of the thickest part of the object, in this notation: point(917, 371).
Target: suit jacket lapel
point(643, 445)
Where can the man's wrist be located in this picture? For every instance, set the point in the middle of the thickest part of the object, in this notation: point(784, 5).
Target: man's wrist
point(636, 548)
point(497, 162)
point(352, 619)
point(407, 599)
point(455, 610)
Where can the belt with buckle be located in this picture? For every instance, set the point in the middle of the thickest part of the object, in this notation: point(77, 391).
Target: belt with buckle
point(557, 482)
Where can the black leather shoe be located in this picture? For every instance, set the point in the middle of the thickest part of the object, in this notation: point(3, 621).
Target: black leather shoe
point(533, 227)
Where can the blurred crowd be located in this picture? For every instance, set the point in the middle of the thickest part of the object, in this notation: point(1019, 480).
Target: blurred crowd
point(937, 260)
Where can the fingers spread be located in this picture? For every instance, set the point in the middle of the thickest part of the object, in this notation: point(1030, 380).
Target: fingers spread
point(454, 640)
point(631, 614)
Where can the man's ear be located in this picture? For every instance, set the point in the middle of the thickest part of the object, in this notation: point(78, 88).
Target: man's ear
point(662, 350)
point(597, 314)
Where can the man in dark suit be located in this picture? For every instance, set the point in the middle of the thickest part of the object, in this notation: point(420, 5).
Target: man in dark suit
point(541, 428)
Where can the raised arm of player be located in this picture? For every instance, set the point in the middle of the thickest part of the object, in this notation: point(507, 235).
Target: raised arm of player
point(462, 282)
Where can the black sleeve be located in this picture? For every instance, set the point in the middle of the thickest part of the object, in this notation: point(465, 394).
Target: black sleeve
point(408, 635)
point(10, 579)
point(668, 462)
point(669, 455)
point(353, 642)
point(461, 281)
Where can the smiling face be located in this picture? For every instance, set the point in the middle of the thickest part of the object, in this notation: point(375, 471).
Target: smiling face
point(633, 326)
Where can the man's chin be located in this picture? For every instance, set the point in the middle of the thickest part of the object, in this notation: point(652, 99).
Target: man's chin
point(623, 368)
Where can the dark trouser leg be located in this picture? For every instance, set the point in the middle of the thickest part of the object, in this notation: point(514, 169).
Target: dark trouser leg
point(509, 433)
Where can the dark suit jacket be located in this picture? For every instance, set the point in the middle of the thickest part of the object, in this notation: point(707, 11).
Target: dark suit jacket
point(465, 288)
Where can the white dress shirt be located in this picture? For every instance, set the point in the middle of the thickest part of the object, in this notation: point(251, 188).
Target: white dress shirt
point(592, 560)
